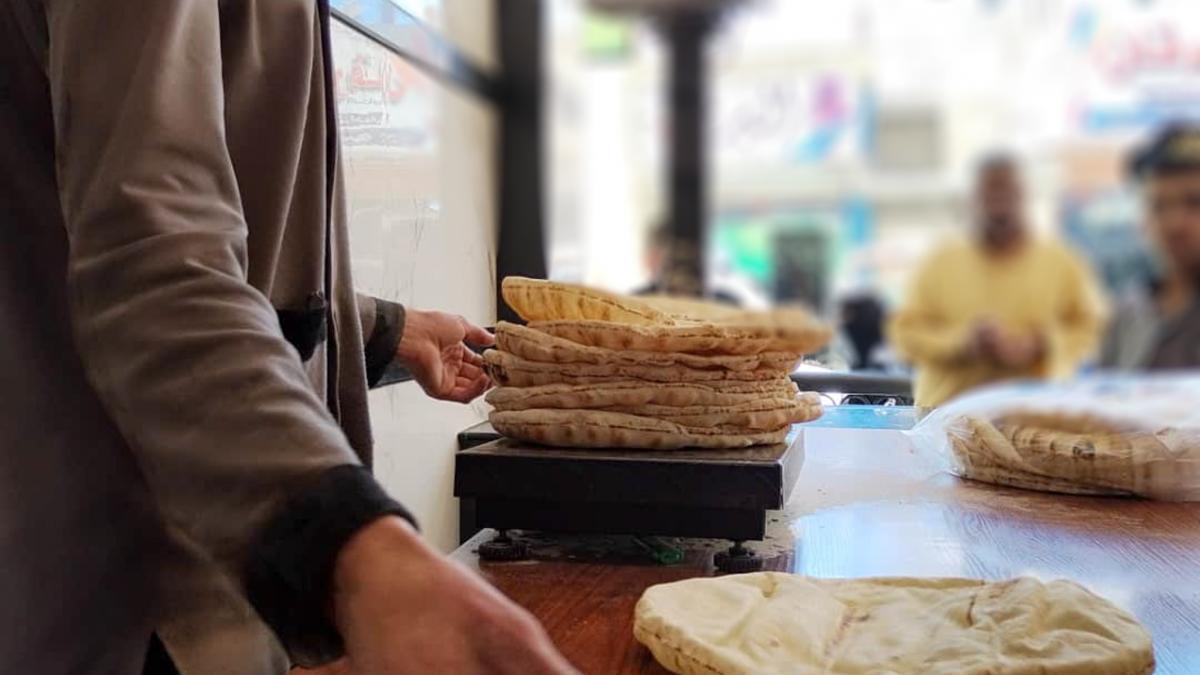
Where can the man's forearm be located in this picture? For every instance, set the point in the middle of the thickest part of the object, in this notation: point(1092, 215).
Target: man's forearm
point(290, 569)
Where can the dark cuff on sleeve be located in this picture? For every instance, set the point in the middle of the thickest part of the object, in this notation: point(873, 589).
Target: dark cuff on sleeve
point(380, 348)
point(290, 572)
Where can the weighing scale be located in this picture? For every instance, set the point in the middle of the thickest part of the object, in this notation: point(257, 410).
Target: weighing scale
point(723, 494)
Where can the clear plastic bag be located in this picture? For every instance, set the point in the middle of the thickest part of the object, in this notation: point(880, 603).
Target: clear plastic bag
point(1106, 435)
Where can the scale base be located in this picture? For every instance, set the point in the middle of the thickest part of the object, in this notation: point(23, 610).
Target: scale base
point(503, 548)
point(737, 560)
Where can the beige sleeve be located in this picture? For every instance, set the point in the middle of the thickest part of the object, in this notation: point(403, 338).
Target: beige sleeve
point(919, 330)
point(186, 355)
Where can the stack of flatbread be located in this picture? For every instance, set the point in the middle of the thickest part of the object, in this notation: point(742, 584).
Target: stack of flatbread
point(593, 369)
point(777, 623)
point(1106, 436)
point(1077, 454)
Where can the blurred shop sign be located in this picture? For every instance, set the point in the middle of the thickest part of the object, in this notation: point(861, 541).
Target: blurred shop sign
point(788, 118)
point(383, 102)
point(1142, 64)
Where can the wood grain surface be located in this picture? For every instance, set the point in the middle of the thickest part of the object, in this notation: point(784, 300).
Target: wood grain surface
point(868, 505)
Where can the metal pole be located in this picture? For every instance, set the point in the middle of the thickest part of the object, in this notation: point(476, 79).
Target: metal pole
point(521, 247)
point(686, 31)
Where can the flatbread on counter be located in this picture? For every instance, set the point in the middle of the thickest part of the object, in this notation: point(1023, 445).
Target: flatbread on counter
point(599, 429)
point(513, 371)
point(755, 413)
point(761, 415)
point(596, 318)
point(594, 369)
point(539, 300)
point(638, 393)
point(534, 345)
point(763, 334)
point(691, 309)
point(768, 622)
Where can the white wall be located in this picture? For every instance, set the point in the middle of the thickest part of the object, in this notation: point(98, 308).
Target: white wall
point(454, 271)
point(423, 233)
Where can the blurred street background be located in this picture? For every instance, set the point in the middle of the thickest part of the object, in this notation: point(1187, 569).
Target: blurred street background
point(843, 136)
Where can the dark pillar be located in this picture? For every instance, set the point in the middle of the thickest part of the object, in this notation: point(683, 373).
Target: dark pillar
point(685, 31)
point(521, 248)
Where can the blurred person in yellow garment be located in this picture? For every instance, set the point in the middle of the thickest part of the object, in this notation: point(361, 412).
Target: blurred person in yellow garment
point(1000, 304)
point(1158, 327)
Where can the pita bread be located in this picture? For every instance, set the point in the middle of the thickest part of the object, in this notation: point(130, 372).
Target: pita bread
point(633, 393)
point(753, 414)
point(690, 309)
point(538, 300)
point(599, 429)
point(534, 345)
point(970, 464)
point(1068, 454)
point(600, 319)
point(690, 339)
point(778, 623)
point(761, 415)
point(596, 369)
point(513, 371)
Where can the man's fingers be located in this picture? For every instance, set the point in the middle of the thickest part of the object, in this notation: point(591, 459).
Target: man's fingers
point(470, 371)
point(468, 389)
point(472, 358)
point(475, 335)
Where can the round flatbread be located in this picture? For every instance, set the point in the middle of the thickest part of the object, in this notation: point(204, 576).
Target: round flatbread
point(539, 300)
point(595, 318)
point(637, 393)
point(534, 345)
point(1067, 454)
point(599, 429)
point(752, 414)
point(755, 335)
point(513, 371)
point(778, 623)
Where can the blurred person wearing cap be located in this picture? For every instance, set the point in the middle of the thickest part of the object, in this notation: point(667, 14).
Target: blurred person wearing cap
point(1001, 304)
point(1159, 327)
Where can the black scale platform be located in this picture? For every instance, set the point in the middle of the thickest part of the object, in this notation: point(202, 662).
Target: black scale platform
point(724, 494)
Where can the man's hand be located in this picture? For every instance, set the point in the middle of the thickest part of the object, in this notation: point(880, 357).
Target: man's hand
point(402, 608)
point(981, 343)
point(1010, 350)
point(1019, 352)
point(434, 349)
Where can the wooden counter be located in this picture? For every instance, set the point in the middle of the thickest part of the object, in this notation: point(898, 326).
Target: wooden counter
point(866, 505)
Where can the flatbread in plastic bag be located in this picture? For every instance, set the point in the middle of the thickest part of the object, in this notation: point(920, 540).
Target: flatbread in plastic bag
point(1109, 435)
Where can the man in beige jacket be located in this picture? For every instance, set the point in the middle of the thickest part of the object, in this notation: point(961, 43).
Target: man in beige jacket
point(184, 364)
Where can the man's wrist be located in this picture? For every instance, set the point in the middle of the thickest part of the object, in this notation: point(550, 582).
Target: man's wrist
point(381, 553)
point(289, 575)
point(414, 333)
point(387, 538)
